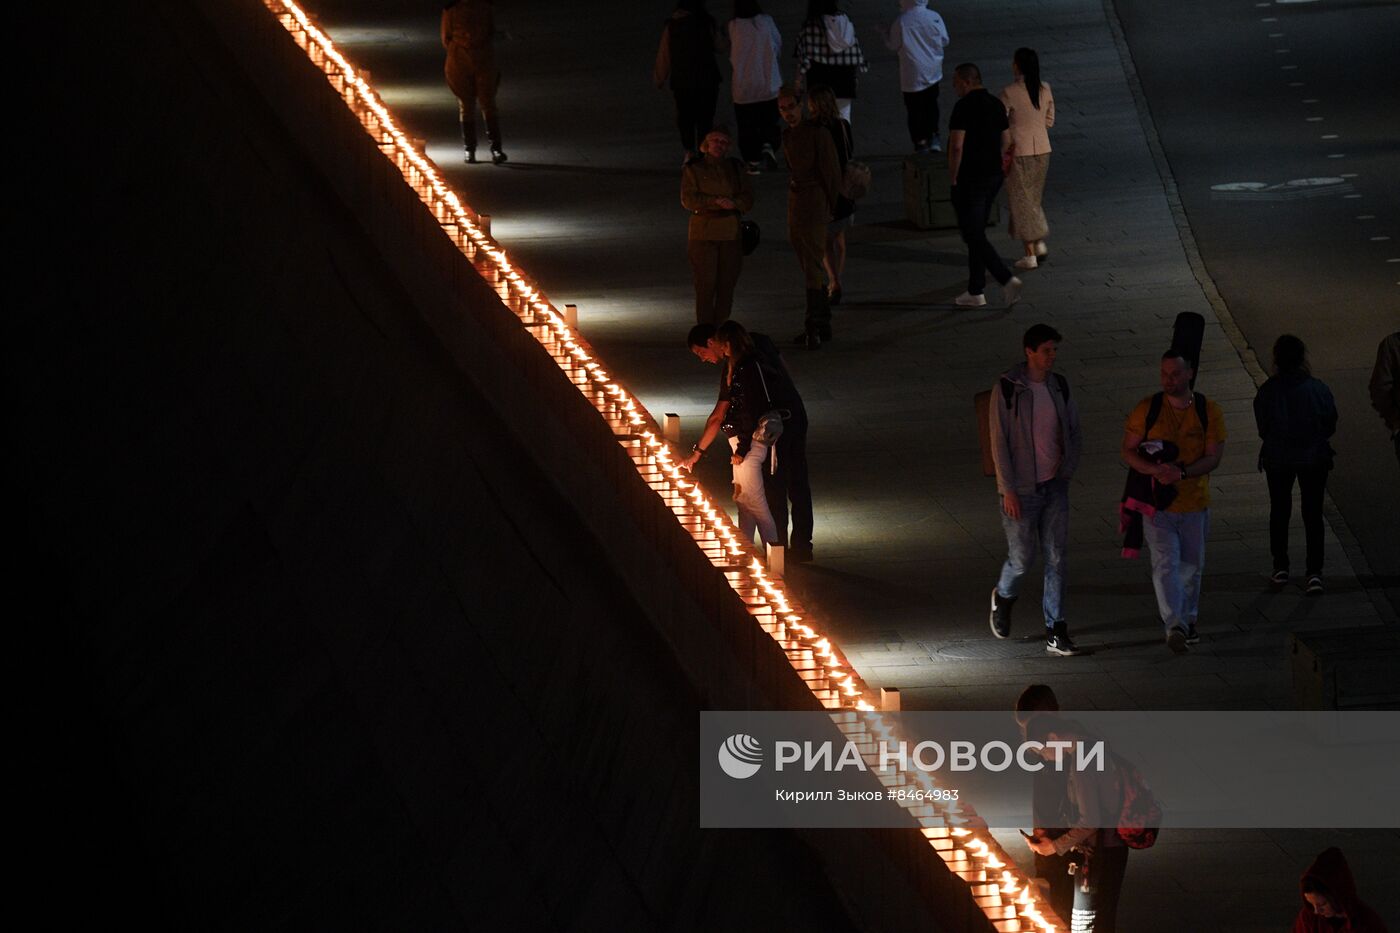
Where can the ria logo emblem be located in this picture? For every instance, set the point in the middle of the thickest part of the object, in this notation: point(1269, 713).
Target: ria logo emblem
point(740, 756)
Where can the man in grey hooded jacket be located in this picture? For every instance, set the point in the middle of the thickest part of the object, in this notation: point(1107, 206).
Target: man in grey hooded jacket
point(1036, 443)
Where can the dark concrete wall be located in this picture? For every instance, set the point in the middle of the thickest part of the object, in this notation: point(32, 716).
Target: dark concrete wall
point(367, 620)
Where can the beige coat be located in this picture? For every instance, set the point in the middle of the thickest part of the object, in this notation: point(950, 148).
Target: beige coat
point(1029, 126)
point(814, 173)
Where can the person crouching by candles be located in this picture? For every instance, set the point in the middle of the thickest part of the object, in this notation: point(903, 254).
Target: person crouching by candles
point(750, 404)
point(716, 191)
point(786, 483)
point(1048, 794)
point(1330, 904)
point(1093, 801)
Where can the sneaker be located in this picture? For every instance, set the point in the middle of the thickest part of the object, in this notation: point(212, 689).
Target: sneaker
point(1012, 291)
point(809, 339)
point(1026, 262)
point(935, 144)
point(1058, 642)
point(1041, 249)
point(969, 300)
point(1193, 637)
point(469, 157)
point(1279, 578)
point(753, 168)
point(1000, 618)
point(1176, 641)
point(497, 156)
point(770, 159)
point(1314, 585)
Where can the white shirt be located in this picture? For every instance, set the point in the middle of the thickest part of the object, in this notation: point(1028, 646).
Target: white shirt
point(919, 36)
point(754, 47)
point(1045, 431)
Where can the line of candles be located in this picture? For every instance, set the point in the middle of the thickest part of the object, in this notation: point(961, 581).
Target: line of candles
point(1000, 889)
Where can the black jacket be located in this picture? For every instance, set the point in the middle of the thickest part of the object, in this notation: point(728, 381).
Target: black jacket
point(755, 389)
point(1295, 415)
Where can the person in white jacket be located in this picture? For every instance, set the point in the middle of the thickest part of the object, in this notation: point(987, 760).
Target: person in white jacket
point(754, 47)
point(919, 37)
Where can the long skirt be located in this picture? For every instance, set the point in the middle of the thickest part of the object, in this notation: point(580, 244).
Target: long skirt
point(1024, 188)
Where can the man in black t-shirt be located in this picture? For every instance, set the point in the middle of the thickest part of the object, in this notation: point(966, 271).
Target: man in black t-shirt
point(978, 137)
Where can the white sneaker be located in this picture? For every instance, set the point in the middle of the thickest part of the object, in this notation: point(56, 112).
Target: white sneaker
point(1026, 262)
point(1040, 248)
point(969, 300)
point(1012, 291)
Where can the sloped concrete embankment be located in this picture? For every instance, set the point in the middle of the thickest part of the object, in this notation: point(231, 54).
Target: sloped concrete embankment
point(371, 622)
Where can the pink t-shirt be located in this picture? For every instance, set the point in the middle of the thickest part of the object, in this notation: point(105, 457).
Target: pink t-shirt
point(1045, 430)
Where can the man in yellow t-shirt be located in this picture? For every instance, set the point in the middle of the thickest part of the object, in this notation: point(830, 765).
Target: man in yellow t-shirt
point(1176, 536)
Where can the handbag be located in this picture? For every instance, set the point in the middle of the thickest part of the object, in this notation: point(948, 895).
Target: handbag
point(748, 236)
point(856, 183)
point(770, 424)
point(770, 428)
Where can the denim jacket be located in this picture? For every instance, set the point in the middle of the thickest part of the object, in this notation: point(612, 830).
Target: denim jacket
point(1013, 441)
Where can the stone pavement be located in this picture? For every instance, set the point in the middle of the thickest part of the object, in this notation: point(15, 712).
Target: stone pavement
point(908, 539)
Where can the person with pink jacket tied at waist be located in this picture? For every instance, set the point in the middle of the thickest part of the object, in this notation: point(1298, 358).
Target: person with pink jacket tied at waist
point(1030, 109)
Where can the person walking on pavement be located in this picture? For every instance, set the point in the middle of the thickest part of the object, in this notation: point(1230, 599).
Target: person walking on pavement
point(1030, 109)
point(787, 482)
point(1093, 802)
point(1049, 793)
point(1385, 386)
point(978, 137)
point(468, 27)
point(918, 37)
point(754, 47)
point(1036, 443)
point(686, 60)
point(1176, 535)
point(716, 191)
point(1296, 416)
point(814, 183)
point(821, 105)
point(828, 53)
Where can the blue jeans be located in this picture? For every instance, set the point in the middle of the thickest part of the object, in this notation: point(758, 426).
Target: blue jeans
point(1044, 524)
point(1177, 541)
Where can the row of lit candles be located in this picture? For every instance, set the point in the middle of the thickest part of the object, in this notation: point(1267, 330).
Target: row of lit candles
point(1009, 902)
